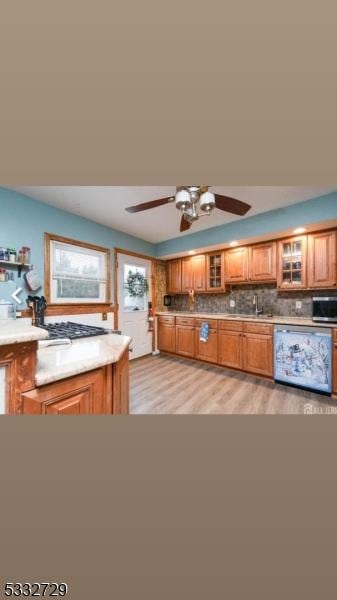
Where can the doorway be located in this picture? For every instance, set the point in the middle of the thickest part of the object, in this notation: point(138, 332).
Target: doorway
point(133, 310)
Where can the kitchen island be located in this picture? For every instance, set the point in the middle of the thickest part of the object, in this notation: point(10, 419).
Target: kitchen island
point(88, 376)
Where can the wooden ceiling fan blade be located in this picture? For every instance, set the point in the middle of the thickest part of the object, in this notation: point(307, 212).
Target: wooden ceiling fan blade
point(149, 205)
point(231, 205)
point(184, 225)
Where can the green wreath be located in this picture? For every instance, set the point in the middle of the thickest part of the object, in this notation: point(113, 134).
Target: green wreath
point(136, 285)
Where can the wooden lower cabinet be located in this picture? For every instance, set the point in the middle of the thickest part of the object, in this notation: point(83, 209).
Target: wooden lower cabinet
point(83, 394)
point(230, 349)
point(166, 337)
point(258, 354)
point(185, 340)
point(250, 349)
point(247, 346)
point(207, 351)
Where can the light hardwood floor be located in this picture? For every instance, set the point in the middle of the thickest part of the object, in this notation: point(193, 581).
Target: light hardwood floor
point(171, 385)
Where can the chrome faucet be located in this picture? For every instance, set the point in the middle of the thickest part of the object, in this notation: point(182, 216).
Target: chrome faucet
point(258, 311)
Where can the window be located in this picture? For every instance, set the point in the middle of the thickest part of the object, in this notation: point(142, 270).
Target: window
point(78, 273)
point(134, 303)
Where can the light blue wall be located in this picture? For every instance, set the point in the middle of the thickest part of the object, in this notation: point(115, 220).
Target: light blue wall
point(304, 213)
point(24, 221)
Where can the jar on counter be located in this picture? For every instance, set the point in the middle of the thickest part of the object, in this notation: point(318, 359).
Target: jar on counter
point(11, 255)
point(24, 255)
point(3, 253)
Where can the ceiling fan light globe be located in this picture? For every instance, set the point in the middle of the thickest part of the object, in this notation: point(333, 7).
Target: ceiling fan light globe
point(207, 201)
point(183, 200)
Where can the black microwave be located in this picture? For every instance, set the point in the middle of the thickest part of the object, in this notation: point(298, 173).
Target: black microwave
point(324, 309)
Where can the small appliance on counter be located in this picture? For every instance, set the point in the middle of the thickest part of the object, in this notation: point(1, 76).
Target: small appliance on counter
point(38, 304)
point(303, 357)
point(167, 300)
point(324, 309)
point(7, 310)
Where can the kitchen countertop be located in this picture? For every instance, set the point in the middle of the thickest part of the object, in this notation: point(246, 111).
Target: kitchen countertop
point(275, 320)
point(16, 332)
point(59, 362)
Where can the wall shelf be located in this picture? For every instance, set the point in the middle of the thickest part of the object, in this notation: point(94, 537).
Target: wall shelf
point(20, 265)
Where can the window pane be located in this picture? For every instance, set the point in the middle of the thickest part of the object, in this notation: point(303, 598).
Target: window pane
point(75, 288)
point(81, 264)
point(134, 303)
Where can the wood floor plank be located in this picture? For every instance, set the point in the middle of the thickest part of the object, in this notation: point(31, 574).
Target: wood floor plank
point(167, 384)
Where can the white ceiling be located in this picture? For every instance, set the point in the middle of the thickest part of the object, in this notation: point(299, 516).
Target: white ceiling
point(106, 205)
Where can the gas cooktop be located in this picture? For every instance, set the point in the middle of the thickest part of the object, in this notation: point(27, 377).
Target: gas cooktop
point(72, 331)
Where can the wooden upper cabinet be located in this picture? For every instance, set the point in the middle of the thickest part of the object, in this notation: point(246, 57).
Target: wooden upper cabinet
point(187, 278)
point(199, 273)
point(193, 273)
point(215, 272)
point(292, 263)
point(174, 276)
point(262, 262)
point(322, 268)
point(236, 265)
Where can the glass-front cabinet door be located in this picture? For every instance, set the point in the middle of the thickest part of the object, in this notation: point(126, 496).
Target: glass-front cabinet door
point(292, 267)
point(215, 272)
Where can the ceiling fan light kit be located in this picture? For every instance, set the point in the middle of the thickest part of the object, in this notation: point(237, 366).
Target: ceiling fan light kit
point(192, 199)
point(183, 200)
point(207, 202)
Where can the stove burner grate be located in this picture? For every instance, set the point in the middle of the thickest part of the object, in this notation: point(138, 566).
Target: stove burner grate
point(72, 331)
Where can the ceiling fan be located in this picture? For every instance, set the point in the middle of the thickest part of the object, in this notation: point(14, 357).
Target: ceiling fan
point(191, 199)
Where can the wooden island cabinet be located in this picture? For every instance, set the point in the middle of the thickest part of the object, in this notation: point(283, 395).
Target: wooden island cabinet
point(85, 394)
point(103, 390)
point(18, 365)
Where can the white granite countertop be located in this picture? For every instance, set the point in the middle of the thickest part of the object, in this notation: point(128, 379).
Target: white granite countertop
point(16, 332)
point(260, 319)
point(60, 362)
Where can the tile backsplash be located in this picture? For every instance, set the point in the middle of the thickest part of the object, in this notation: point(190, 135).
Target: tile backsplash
point(270, 299)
